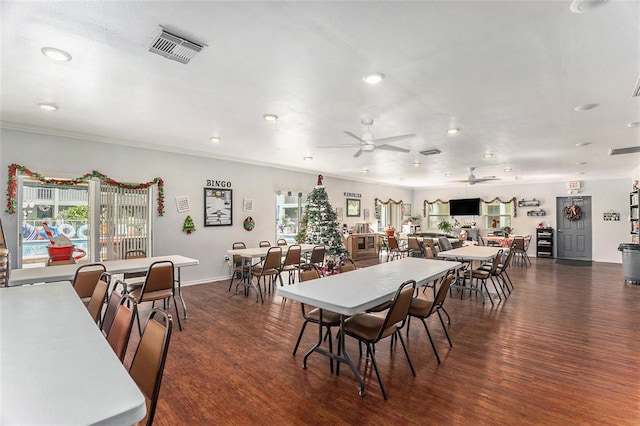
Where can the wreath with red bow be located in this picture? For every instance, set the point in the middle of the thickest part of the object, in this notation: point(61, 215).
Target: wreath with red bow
point(572, 212)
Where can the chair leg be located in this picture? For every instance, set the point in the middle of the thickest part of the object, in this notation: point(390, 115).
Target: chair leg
point(304, 325)
point(175, 304)
point(435, 351)
point(443, 326)
point(484, 284)
point(375, 367)
point(406, 352)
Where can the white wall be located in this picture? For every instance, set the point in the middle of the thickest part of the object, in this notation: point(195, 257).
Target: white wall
point(605, 195)
point(55, 156)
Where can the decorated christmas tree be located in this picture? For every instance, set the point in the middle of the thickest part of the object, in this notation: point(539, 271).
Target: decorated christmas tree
point(322, 225)
point(188, 225)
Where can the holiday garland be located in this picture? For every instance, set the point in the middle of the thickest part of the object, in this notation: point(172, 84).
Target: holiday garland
point(14, 169)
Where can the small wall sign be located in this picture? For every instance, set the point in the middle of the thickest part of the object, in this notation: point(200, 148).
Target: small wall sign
point(611, 216)
point(352, 195)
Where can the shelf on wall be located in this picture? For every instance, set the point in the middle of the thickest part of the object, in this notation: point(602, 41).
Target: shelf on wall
point(536, 213)
point(529, 203)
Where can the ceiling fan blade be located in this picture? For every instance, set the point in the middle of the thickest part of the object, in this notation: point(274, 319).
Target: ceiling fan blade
point(357, 154)
point(630, 150)
point(486, 179)
point(357, 137)
point(344, 145)
point(392, 148)
point(394, 138)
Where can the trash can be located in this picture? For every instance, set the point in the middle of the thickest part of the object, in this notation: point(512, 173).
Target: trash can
point(630, 261)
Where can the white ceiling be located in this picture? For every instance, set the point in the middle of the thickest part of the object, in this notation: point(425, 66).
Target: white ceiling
point(508, 74)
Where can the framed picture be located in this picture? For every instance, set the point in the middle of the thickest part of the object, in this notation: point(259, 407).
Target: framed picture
point(247, 205)
point(406, 210)
point(366, 214)
point(339, 213)
point(353, 207)
point(217, 207)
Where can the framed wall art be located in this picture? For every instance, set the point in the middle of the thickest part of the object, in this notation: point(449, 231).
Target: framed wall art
point(218, 207)
point(353, 207)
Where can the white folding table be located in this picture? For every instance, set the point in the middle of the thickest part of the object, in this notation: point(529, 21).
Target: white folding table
point(56, 367)
point(356, 291)
point(67, 272)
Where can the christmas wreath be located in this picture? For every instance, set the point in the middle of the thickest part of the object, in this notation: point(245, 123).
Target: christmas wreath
point(572, 212)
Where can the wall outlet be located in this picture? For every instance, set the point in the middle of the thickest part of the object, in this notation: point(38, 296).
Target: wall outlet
point(226, 257)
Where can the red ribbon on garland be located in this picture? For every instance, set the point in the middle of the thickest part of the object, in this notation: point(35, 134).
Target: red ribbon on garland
point(13, 184)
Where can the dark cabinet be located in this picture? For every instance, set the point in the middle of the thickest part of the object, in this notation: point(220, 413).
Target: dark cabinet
point(544, 242)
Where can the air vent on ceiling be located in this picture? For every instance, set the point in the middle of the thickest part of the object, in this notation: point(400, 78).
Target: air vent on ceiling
point(619, 151)
point(636, 90)
point(174, 47)
point(433, 151)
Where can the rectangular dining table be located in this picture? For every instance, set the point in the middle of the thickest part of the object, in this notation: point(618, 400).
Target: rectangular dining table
point(67, 272)
point(356, 291)
point(471, 253)
point(56, 367)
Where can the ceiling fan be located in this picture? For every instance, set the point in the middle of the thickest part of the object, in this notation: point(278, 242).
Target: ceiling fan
point(368, 143)
point(472, 179)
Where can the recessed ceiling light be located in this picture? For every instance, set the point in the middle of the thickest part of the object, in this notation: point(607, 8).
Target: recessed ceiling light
point(373, 78)
point(583, 143)
point(307, 158)
point(453, 131)
point(581, 6)
point(634, 124)
point(518, 177)
point(585, 107)
point(270, 117)
point(416, 163)
point(447, 174)
point(488, 155)
point(56, 54)
point(48, 107)
point(581, 163)
point(215, 139)
point(365, 170)
point(508, 169)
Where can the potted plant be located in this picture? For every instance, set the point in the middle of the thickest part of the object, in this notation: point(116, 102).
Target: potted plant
point(445, 226)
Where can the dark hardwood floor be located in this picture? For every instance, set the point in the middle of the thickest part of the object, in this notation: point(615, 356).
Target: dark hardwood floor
point(564, 349)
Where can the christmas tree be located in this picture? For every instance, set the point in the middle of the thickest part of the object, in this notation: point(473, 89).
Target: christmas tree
point(188, 225)
point(322, 225)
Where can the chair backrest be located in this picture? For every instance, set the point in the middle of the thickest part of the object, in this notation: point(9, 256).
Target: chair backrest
point(518, 243)
point(393, 243)
point(273, 259)
point(412, 244)
point(442, 291)
point(97, 299)
point(264, 243)
point(317, 255)
point(347, 265)
point(159, 278)
point(120, 330)
point(309, 274)
point(398, 309)
point(237, 259)
point(496, 261)
point(134, 254)
point(444, 244)
point(507, 260)
point(282, 242)
point(61, 259)
point(5, 267)
point(431, 246)
point(86, 278)
point(110, 312)
point(293, 256)
point(148, 362)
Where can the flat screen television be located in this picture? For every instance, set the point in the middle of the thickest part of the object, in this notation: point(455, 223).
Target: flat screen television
point(464, 207)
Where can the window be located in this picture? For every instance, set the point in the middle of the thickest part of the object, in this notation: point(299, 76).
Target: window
point(289, 212)
point(497, 215)
point(436, 213)
point(389, 213)
point(101, 219)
